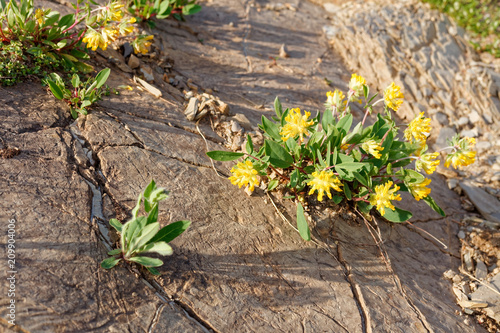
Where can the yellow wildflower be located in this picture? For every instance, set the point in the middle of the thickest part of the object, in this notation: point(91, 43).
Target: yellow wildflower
point(322, 182)
point(383, 196)
point(142, 43)
point(372, 147)
point(244, 173)
point(296, 124)
point(419, 128)
point(127, 27)
point(422, 147)
point(393, 97)
point(94, 39)
point(419, 190)
point(112, 12)
point(464, 155)
point(356, 87)
point(39, 15)
point(109, 33)
point(426, 163)
point(335, 100)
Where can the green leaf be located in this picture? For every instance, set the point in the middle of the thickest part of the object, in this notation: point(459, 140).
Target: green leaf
point(170, 232)
point(102, 77)
point(153, 270)
point(337, 199)
point(294, 178)
point(83, 67)
point(278, 109)
point(114, 252)
point(161, 248)
point(350, 166)
point(147, 261)
point(302, 224)
point(345, 123)
point(364, 207)
point(146, 234)
point(362, 179)
point(278, 156)
point(85, 103)
point(271, 129)
point(430, 201)
point(109, 263)
point(75, 81)
point(149, 189)
point(366, 91)
point(223, 156)
point(116, 224)
point(273, 183)
point(55, 89)
point(191, 9)
point(327, 119)
point(249, 144)
point(135, 210)
point(66, 21)
point(347, 191)
point(79, 54)
point(398, 215)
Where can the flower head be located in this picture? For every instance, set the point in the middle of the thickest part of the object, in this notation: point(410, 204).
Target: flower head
point(244, 173)
point(335, 100)
point(126, 27)
point(372, 147)
point(419, 190)
point(356, 87)
point(109, 33)
point(393, 97)
point(142, 43)
point(322, 182)
point(111, 12)
point(383, 196)
point(39, 15)
point(427, 162)
point(296, 124)
point(463, 155)
point(94, 39)
point(419, 128)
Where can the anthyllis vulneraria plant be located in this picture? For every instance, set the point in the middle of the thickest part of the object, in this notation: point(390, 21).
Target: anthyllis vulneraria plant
point(82, 95)
point(366, 165)
point(142, 234)
point(45, 32)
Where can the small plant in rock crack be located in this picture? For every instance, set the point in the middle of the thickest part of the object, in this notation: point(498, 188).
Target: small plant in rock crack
point(142, 234)
point(145, 10)
point(82, 95)
point(366, 165)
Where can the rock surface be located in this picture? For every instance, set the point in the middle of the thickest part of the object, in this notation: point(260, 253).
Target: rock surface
point(239, 267)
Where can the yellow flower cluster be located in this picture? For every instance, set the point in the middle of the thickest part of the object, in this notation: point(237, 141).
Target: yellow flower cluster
point(419, 128)
point(322, 182)
point(356, 88)
point(244, 173)
point(142, 43)
point(427, 162)
point(372, 147)
point(296, 124)
point(95, 39)
point(419, 189)
point(383, 196)
point(108, 32)
point(39, 15)
point(463, 155)
point(335, 100)
point(393, 97)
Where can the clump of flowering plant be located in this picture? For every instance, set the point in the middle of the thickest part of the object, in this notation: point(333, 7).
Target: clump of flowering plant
point(365, 165)
point(45, 34)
